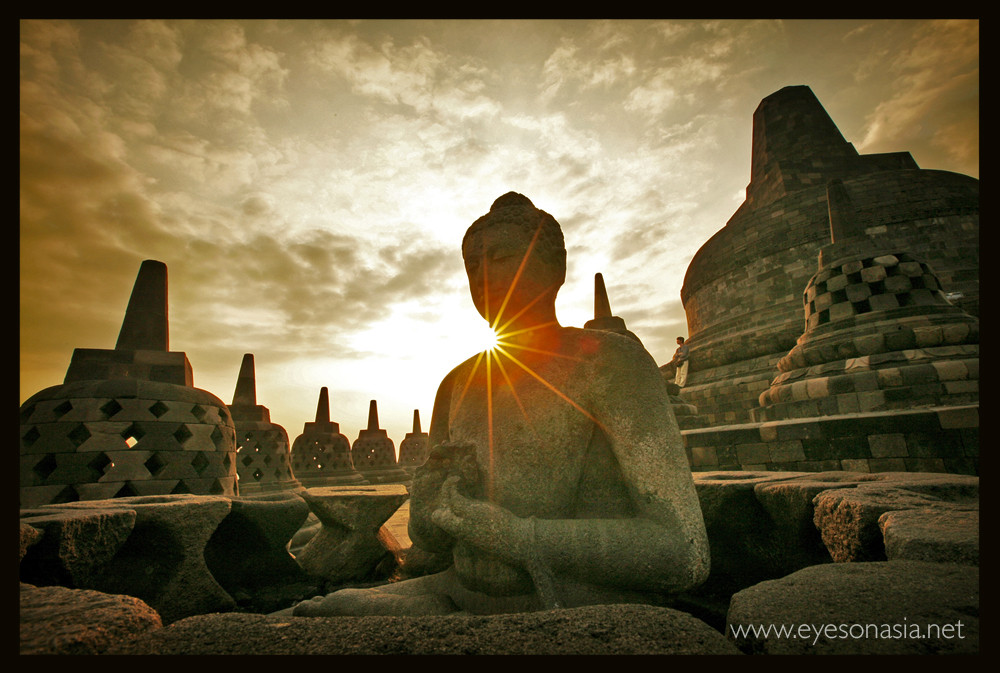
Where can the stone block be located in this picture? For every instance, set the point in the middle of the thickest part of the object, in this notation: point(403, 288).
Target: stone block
point(940, 534)
point(702, 456)
point(75, 545)
point(888, 446)
point(348, 546)
point(883, 302)
point(928, 336)
point(750, 454)
point(59, 620)
point(873, 274)
point(862, 608)
point(842, 311)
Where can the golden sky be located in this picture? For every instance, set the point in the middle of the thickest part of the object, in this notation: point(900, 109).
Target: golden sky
point(308, 183)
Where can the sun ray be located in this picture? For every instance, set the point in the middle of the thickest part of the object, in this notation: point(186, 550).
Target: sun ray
point(551, 387)
point(513, 392)
point(468, 381)
point(517, 277)
point(489, 422)
point(530, 349)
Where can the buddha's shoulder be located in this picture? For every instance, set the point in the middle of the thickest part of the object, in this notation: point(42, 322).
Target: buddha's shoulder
point(602, 342)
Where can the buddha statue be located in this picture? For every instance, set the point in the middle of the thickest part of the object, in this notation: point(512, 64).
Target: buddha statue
point(557, 475)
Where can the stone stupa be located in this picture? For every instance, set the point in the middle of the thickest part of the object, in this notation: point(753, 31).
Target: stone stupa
point(414, 447)
point(604, 320)
point(880, 335)
point(263, 462)
point(321, 455)
point(129, 421)
point(374, 453)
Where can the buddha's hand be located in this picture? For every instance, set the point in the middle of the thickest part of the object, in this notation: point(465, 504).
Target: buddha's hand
point(482, 524)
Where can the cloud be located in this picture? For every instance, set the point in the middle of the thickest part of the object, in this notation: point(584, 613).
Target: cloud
point(933, 98)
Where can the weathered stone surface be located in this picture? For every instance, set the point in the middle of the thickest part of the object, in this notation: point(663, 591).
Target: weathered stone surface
point(598, 629)
point(848, 519)
point(942, 534)
point(163, 560)
point(746, 544)
point(57, 620)
point(28, 535)
point(248, 553)
point(894, 597)
point(349, 546)
point(76, 544)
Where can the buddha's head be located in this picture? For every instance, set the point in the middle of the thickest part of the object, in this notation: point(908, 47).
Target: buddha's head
point(494, 248)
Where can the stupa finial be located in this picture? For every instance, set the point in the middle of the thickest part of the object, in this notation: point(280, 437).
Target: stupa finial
point(145, 326)
point(323, 406)
point(602, 307)
point(246, 384)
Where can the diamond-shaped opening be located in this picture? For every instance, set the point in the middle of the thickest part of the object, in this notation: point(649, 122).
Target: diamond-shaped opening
point(181, 487)
point(100, 464)
point(257, 474)
point(247, 460)
point(216, 488)
point(46, 466)
point(217, 438)
point(31, 436)
point(155, 464)
point(62, 409)
point(79, 434)
point(200, 462)
point(68, 494)
point(110, 408)
point(198, 412)
point(228, 461)
point(182, 434)
point(126, 491)
point(132, 434)
point(26, 413)
point(267, 460)
point(158, 409)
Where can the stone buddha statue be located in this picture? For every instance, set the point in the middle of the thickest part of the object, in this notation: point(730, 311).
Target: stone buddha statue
point(557, 475)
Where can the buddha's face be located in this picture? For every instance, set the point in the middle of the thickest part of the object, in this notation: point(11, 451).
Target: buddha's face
point(493, 256)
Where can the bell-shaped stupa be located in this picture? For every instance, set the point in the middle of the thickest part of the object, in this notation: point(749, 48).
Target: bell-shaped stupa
point(321, 455)
point(414, 447)
point(375, 454)
point(129, 421)
point(263, 461)
point(604, 320)
point(880, 335)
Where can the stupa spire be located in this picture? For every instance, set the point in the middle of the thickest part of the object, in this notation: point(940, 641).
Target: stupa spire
point(246, 384)
point(323, 406)
point(602, 307)
point(372, 415)
point(145, 326)
point(416, 421)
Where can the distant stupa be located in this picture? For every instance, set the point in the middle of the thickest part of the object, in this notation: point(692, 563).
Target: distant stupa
point(129, 421)
point(603, 320)
point(263, 461)
point(413, 449)
point(375, 454)
point(321, 455)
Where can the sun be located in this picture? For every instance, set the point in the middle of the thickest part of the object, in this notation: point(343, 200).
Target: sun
point(486, 338)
